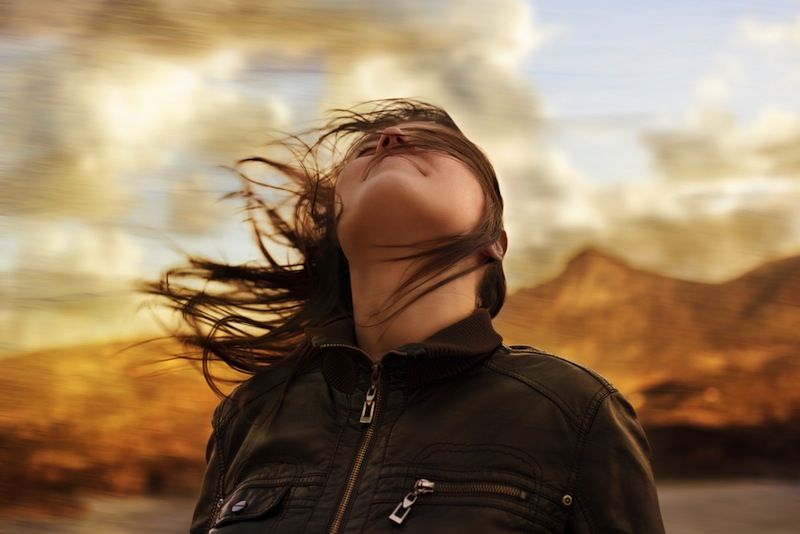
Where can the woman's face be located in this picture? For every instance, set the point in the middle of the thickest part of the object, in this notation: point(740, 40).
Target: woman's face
point(414, 195)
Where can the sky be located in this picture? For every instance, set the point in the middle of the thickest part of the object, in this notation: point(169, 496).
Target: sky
point(665, 133)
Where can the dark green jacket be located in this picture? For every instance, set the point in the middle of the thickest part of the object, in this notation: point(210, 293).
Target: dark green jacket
point(459, 433)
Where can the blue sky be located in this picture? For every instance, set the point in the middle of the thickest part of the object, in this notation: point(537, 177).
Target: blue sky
point(638, 57)
point(613, 69)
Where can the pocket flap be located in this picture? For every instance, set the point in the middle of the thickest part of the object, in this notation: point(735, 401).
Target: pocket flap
point(250, 502)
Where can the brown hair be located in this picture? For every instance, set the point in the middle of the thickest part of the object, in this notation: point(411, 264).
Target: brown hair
point(296, 295)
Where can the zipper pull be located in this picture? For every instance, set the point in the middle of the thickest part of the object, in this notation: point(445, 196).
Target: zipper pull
point(217, 506)
point(368, 409)
point(422, 485)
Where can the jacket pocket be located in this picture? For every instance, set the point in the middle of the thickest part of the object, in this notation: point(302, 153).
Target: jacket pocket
point(261, 505)
point(454, 488)
point(250, 502)
point(443, 501)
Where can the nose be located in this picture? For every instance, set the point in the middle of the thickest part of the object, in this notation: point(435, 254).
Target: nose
point(391, 136)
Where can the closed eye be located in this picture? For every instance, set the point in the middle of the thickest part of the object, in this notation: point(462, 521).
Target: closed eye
point(363, 151)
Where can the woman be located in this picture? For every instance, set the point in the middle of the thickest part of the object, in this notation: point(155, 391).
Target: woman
point(382, 400)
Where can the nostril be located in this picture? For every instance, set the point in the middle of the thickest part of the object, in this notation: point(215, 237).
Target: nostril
point(389, 139)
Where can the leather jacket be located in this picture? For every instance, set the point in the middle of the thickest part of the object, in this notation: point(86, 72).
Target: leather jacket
point(459, 433)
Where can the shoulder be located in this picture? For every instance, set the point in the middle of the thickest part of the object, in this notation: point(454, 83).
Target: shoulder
point(253, 393)
point(574, 388)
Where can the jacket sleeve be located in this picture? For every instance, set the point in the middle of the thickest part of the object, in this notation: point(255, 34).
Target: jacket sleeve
point(615, 488)
point(206, 504)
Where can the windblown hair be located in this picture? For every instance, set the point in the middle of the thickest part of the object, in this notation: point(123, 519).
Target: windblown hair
point(256, 317)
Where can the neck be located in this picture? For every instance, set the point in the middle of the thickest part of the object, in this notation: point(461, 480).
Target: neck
point(372, 282)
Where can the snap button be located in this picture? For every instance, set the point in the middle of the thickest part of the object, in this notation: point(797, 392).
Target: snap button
point(239, 506)
point(566, 500)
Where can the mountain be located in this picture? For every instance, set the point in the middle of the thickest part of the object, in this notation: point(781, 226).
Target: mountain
point(609, 315)
point(683, 351)
point(766, 304)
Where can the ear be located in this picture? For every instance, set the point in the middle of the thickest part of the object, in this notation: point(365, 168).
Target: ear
point(498, 249)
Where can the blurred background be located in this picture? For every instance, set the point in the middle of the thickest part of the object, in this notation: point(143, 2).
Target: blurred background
point(649, 158)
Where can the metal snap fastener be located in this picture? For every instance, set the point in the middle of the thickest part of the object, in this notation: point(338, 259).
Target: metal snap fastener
point(239, 506)
point(566, 500)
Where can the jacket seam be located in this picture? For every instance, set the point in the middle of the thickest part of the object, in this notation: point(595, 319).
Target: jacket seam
point(219, 421)
point(598, 378)
point(585, 516)
point(537, 386)
point(586, 424)
point(435, 447)
point(220, 458)
point(229, 411)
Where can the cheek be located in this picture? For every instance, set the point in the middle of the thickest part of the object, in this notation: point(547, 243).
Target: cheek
point(459, 196)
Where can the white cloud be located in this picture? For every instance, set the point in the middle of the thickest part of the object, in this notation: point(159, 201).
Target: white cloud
point(769, 34)
point(713, 145)
point(68, 284)
point(87, 133)
point(713, 91)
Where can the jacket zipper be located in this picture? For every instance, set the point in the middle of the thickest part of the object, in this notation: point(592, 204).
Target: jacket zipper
point(220, 500)
point(368, 411)
point(423, 485)
point(220, 488)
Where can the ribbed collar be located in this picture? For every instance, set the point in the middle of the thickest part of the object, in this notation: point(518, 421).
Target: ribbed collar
point(446, 352)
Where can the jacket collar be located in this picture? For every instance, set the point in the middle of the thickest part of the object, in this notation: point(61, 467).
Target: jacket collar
point(446, 352)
